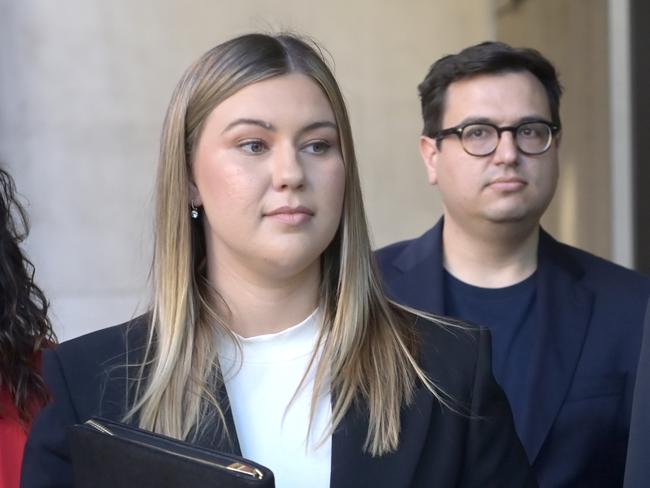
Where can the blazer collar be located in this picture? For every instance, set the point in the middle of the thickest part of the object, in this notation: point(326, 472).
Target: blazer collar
point(210, 435)
point(564, 308)
point(421, 280)
point(348, 459)
point(213, 434)
point(352, 467)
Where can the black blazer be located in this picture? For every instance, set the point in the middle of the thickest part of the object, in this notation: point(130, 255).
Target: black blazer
point(437, 447)
point(582, 368)
point(637, 468)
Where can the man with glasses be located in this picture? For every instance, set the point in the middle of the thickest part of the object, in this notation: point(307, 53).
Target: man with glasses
point(565, 324)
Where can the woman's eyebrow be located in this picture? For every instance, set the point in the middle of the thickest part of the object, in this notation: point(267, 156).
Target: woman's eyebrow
point(268, 126)
point(258, 122)
point(318, 125)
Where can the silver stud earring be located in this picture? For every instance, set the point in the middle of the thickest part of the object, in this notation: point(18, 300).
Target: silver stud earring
point(195, 212)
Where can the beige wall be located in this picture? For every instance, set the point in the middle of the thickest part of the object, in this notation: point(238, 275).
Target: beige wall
point(84, 85)
point(573, 35)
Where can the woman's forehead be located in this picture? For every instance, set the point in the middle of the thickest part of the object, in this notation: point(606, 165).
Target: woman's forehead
point(285, 99)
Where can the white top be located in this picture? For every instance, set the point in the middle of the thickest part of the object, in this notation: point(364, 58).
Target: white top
point(259, 393)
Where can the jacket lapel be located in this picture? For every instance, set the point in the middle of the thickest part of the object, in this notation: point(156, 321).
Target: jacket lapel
point(564, 308)
point(348, 459)
point(213, 435)
point(351, 467)
point(419, 280)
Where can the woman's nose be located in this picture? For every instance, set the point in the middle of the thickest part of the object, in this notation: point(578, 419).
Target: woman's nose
point(287, 169)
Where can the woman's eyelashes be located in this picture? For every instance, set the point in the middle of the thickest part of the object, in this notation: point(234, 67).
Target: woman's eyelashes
point(258, 146)
point(253, 146)
point(317, 147)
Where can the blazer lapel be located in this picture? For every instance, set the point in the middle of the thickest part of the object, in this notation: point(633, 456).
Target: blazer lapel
point(348, 459)
point(564, 309)
point(351, 467)
point(419, 280)
point(213, 435)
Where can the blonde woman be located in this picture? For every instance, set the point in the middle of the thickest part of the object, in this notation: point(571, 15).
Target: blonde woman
point(269, 334)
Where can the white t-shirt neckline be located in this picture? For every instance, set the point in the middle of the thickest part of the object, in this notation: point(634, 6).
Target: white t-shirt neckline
point(291, 343)
point(260, 384)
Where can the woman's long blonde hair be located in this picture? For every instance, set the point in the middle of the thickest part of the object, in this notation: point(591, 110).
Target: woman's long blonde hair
point(369, 347)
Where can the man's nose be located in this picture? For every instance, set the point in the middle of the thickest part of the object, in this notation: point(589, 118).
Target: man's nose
point(507, 151)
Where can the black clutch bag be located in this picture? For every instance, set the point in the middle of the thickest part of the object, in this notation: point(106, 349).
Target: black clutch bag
point(108, 454)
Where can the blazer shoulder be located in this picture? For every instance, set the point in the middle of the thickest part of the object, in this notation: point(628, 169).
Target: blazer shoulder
point(412, 252)
point(387, 254)
point(93, 370)
point(85, 380)
point(602, 276)
point(102, 347)
point(449, 332)
point(451, 351)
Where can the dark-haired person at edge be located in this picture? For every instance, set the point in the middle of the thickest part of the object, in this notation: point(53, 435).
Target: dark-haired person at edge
point(25, 331)
point(566, 325)
point(269, 335)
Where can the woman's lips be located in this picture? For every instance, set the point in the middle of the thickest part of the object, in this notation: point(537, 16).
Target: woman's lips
point(290, 215)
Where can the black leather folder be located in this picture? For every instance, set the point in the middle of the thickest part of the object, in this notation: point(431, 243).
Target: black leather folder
point(108, 454)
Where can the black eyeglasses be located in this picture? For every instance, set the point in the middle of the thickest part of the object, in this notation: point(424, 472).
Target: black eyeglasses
point(481, 139)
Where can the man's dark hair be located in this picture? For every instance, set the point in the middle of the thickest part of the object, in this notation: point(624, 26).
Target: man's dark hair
point(484, 58)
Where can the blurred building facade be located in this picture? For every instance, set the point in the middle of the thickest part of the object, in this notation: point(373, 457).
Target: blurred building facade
point(84, 85)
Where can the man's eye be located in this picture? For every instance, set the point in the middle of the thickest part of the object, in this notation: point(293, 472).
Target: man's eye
point(476, 133)
point(533, 131)
point(253, 147)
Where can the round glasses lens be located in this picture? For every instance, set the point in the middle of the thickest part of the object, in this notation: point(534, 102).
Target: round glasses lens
point(479, 139)
point(534, 137)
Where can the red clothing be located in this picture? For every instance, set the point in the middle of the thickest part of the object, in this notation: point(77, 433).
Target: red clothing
point(12, 442)
point(13, 435)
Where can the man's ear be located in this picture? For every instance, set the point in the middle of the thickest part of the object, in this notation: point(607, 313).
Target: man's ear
point(429, 152)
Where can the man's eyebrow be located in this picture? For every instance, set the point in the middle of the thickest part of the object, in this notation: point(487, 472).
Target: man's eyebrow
point(257, 122)
point(521, 120)
point(532, 118)
point(476, 120)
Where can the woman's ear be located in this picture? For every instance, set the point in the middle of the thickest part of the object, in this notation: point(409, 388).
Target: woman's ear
point(195, 197)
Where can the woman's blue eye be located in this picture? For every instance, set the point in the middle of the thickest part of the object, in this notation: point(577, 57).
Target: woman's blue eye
point(253, 147)
point(317, 147)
